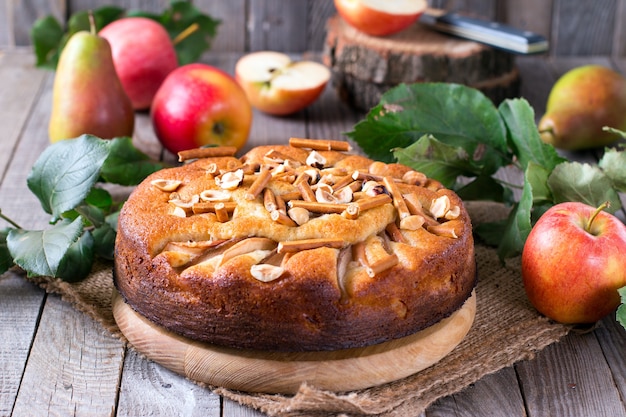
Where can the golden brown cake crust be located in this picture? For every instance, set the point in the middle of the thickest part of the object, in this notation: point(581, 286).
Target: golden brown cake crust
point(386, 257)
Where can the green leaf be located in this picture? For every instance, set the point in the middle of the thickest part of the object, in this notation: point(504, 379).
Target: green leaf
point(518, 225)
point(65, 172)
point(575, 181)
point(613, 163)
point(621, 310)
point(436, 159)
point(6, 260)
point(46, 36)
point(49, 38)
point(456, 115)
point(104, 241)
point(519, 118)
point(485, 187)
point(40, 252)
point(78, 259)
point(180, 16)
point(126, 165)
point(537, 176)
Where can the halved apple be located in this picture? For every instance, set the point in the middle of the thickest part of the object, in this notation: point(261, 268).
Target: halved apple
point(380, 17)
point(277, 85)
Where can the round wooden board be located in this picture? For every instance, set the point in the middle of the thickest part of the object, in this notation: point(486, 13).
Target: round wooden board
point(278, 372)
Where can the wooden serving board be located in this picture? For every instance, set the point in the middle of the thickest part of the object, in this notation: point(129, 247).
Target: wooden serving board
point(276, 372)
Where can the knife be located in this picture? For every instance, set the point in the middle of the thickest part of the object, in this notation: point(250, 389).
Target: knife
point(494, 34)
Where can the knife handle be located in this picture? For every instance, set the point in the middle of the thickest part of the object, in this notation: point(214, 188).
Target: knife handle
point(490, 33)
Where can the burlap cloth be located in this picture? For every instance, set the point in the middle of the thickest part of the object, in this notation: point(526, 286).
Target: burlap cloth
point(506, 330)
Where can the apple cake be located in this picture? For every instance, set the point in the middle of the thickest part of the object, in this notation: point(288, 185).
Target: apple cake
point(298, 247)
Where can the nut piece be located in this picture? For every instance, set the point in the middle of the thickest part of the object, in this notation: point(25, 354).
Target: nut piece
point(414, 178)
point(299, 215)
point(316, 160)
point(166, 185)
point(214, 195)
point(266, 272)
point(230, 180)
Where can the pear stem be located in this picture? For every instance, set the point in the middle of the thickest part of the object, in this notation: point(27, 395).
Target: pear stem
point(602, 206)
point(182, 35)
point(92, 23)
point(11, 222)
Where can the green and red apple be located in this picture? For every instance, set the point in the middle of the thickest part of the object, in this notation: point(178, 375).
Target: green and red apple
point(276, 85)
point(143, 54)
point(199, 105)
point(574, 262)
point(380, 17)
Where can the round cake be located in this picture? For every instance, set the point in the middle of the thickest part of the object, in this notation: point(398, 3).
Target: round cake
point(299, 247)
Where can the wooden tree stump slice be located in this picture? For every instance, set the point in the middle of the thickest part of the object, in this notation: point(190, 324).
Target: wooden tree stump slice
point(364, 67)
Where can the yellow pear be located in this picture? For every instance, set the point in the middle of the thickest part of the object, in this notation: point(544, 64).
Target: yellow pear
point(582, 102)
point(87, 96)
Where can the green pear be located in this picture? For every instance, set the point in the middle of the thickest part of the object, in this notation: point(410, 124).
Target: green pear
point(581, 103)
point(87, 96)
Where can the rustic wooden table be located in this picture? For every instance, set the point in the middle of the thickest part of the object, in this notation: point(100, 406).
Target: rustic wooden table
point(55, 360)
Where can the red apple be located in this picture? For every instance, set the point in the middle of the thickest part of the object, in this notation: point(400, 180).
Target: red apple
point(143, 55)
point(199, 105)
point(277, 85)
point(573, 262)
point(380, 17)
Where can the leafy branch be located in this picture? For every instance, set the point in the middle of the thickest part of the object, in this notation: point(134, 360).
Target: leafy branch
point(455, 134)
point(49, 36)
point(67, 179)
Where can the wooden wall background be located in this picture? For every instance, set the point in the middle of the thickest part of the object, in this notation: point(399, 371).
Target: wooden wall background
point(574, 27)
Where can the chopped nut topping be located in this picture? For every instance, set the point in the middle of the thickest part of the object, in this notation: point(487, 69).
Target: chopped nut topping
point(444, 230)
point(215, 195)
point(211, 206)
point(398, 201)
point(266, 272)
point(382, 265)
point(166, 185)
point(177, 200)
point(439, 206)
point(299, 215)
point(414, 178)
point(316, 160)
point(395, 233)
point(230, 180)
point(179, 212)
point(412, 222)
point(378, 168)
point(221, 212)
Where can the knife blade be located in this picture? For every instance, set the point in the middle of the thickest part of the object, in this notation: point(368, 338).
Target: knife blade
point(491, 33)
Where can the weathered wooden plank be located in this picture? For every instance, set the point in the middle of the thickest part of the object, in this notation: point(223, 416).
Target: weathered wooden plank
point(533, 15)
point(21, 303)
point(72, 369)
point(537, 78)
point(570, 375)
point(231, 33)
point(22, 15)
point(619, 33)
point(318, 15)
point(581, 27)
point(22, 83)
point(496, 394)
point(233, 409)
point(14, 194)
point(150, 389)
point(278, 25)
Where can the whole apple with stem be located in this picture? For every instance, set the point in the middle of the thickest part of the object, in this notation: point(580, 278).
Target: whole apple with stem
point(199, 105)
point(574, 261)
point(277, 85)
point(380, 17)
